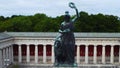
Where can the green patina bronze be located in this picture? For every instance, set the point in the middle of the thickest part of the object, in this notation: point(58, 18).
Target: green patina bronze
point(65, 42)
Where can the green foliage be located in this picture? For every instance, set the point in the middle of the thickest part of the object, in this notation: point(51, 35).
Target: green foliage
point(17, 24)
point(43, 23)
point(2, 18)
point(97, 23)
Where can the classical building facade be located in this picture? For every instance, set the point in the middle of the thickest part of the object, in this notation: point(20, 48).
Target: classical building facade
point(38, 48)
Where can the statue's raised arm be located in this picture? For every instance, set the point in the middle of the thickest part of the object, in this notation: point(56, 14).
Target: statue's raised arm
point(65, 42)
point(72, 5)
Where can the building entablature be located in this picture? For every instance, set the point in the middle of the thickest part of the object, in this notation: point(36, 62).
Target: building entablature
point(46, 38)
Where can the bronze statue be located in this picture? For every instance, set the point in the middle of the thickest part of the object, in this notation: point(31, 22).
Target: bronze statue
point(65, 42)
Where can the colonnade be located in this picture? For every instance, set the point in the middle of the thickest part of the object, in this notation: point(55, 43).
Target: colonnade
point(6, 56)
point(36, 54)
point(95, 54)
point(78, 56)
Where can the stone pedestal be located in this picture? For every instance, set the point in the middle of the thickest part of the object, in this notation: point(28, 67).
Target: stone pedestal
point(66, 66)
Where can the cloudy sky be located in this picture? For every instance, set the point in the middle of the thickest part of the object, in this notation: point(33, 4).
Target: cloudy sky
point(57, 7)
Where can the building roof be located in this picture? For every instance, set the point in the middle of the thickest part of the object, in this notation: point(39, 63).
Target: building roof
point(4, 36)
point(32, 34)
point(98, 35)
point(54, 34)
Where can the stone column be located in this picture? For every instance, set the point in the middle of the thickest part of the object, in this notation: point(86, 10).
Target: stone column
point(44, 53)
point(36, 53)
point(103, 54)
point(28, 54)
point(95, 54)
point(112, 54)
point(86, 54)
point(12, 57)
point(52, 58)
point(1, 59)
point(7, 53)
point(7, 56)
point(4, 56)
point(19, 54)
point(78, 54)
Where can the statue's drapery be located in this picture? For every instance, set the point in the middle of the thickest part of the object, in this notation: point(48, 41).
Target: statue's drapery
point(68, 43)
point(65, 42)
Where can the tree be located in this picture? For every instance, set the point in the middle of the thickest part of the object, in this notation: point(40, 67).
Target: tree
point(18, 24)
point(43, 23)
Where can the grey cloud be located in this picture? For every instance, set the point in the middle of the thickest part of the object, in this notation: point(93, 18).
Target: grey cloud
point(57, 7)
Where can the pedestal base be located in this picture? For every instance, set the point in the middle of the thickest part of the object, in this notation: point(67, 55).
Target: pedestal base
point(65, 65)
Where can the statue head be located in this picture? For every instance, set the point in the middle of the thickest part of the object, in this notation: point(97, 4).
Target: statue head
point(67, 17)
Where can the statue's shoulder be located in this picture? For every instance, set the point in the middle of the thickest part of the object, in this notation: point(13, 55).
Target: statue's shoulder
point(63, 23)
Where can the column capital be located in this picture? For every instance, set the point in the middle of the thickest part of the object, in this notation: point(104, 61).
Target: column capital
point(103, 45)
point(19, 45)
point(112, 45)
point(36, 45)
point(44, 44)
point(10, 45)
point(95, 45)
